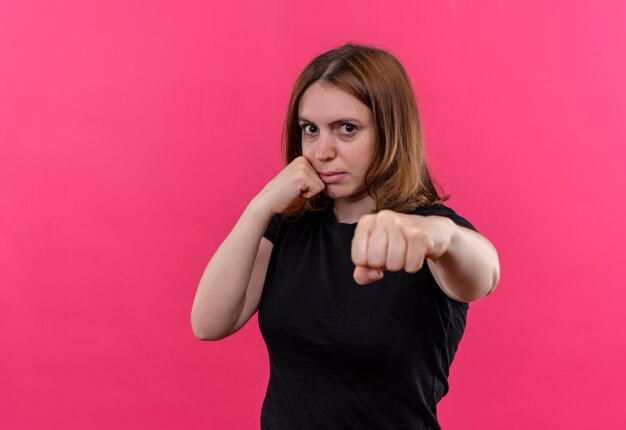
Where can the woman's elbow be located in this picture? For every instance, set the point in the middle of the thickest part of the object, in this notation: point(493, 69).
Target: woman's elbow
point(201, 332)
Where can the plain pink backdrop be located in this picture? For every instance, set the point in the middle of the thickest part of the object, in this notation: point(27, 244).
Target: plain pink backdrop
point(133, 134)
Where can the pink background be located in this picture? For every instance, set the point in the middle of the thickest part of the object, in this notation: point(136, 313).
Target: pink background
point(133, 134)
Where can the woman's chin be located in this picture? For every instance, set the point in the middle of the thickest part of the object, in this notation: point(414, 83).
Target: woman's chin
point(332, 193)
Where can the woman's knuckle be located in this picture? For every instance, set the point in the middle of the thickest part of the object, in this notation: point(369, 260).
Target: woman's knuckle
point(414, 234)
point(385, 215)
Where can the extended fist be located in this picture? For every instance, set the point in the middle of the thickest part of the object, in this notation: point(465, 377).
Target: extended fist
point(395, 241)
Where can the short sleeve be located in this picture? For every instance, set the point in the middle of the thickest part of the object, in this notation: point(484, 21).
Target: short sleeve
point(443, 210)
point(272, 228)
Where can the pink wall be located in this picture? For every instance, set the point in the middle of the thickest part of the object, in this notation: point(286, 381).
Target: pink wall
point(133, 134)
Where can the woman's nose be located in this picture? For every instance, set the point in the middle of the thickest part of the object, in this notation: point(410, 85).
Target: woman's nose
point(325, 148)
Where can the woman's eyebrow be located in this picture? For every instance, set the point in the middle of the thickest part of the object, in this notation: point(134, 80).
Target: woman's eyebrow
point(338, 121)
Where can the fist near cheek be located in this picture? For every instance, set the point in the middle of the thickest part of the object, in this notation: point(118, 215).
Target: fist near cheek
point(392, 241)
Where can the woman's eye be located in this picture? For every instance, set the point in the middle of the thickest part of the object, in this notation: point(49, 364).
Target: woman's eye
point(310, 129)
point(307, 130)
point(350, 129)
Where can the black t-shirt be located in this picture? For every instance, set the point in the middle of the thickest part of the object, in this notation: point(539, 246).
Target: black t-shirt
point(349, 356)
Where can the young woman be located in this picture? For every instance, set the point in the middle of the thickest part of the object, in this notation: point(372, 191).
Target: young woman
point(360, 332)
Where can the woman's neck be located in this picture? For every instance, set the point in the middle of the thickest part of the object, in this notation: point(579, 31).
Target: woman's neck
point(349, 212)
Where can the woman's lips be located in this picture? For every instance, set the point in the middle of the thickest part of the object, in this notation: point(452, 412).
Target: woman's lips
point(332, 178)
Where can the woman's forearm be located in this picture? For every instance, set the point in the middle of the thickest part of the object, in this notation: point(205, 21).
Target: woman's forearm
point(470, 267)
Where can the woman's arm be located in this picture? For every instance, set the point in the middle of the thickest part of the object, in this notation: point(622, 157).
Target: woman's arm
point(464, 263)
point(470, 267)
point(221, 294)
point(230, 288)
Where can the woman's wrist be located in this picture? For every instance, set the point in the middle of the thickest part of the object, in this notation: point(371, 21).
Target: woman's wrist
point(259, 210)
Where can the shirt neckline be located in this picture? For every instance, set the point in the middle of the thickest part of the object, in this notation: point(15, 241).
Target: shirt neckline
point(329, 219)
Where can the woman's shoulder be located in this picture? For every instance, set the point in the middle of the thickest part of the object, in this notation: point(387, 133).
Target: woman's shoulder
point(285, 222)
point(432, 209)
point(439, 209)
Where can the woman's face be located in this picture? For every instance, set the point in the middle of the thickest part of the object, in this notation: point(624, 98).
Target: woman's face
point(337, 139)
